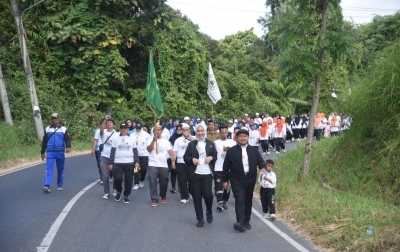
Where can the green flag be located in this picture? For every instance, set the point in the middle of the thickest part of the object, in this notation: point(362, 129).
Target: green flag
point(152, 92)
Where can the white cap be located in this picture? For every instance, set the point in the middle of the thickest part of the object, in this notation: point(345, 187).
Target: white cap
point(257, 114)
point(186, 118)
point(55, 115)
point(230, 121)
point(246, 114)
point(185, 126)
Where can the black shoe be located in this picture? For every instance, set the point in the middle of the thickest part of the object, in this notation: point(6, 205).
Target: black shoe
point(247, 225)
point(209, 217)
point(239, 227)
point(219, 207)
point(172, 191)
point(200, 223)
point(126, 200)
point(117, 197)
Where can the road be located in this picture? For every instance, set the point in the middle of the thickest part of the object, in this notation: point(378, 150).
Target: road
point(78, 219)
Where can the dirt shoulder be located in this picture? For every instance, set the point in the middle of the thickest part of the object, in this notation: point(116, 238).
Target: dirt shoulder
point(23, 162)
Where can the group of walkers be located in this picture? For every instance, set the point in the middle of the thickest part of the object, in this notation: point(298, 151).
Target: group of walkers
point(194, 152)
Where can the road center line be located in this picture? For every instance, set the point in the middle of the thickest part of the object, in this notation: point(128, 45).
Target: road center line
point(279, 232)
point(48, 239)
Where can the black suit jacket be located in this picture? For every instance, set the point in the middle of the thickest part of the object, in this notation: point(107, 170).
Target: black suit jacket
point(191, 152)
point(233, 165)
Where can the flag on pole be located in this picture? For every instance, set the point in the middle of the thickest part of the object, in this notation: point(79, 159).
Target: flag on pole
point(152, 92)
point(213, 90)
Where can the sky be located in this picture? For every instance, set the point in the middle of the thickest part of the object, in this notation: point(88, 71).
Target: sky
point(219, 18)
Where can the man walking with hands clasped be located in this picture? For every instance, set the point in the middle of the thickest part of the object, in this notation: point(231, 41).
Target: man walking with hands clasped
point(240, 168)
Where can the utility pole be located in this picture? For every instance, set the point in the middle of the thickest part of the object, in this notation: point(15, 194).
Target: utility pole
point(27, 67)
point(4, 99)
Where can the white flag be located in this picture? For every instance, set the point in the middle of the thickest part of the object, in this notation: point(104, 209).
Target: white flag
point(213, 90)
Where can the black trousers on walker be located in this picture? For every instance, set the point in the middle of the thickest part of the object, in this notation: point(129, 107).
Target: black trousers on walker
point(243, 193)
point(201, 188)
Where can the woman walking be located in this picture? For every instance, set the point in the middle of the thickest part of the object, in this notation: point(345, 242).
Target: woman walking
point(200, 157)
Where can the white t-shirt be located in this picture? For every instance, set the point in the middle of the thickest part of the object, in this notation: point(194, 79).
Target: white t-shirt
point(107, 146)
point(180, 147)
point(276, 134)
point(165, 134)
point(124, 146)
point(335, 128)
point(202, 168)
point(160, 159)
point(141, 142)
point(231, 129)
point(258, 120)
point(245, 159)
point(266, 184)
point(222, 147)
point(254, 135)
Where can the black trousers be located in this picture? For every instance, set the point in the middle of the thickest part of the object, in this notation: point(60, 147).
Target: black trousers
point(181, 170)
point(296, 133)
point(144, 162)
point(303, 133)
point(220, 192)
point(267, 196)
point(120, 171)
point(264, 145)
point(243, 193)
point(201, 187)
point(289, 135)
point(317, 134)
point(173, 174)
point(272, 142)
point(279, 143)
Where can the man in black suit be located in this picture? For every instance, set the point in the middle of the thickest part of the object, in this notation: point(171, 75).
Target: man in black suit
point(240, 168)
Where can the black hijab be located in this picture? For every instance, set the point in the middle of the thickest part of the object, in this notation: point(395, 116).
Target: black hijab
point(175, 136)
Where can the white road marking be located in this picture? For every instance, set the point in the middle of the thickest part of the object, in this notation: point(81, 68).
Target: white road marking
point(279, 232)
point(48, 239)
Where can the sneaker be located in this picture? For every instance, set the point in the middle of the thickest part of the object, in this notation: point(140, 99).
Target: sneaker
point(101, 182)
point(268, 153)
point(284, 151)
point(264, 153)
point(184, 201)
point(277, 152)
point(153, 203)
point(135, 187)
point(141, 184)
point(118, 197)
point(225, 206)
point(209, 217)
point(219, 207)
point(46, 189)
point(266, 216)
point(60, 188)
point(110, 180)
point(273, 217)
point(106, 196)
point(126, 200)
point(115, 192)
point(172, 191)
point(164, 200)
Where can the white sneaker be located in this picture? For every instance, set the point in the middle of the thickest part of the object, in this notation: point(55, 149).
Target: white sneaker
point(141, 184)
point(277, 152)
point(266, 216)
point(268, 153)
point(284, 151)
point(111, 180)
point(60, 188)
point(106, 196)
point(101, 182)
point(135, 187)
point(264, 153)
point(273, 217)
point(115, 192)
point(183, 201)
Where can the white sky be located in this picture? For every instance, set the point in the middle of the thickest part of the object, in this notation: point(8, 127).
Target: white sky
point(219, 18)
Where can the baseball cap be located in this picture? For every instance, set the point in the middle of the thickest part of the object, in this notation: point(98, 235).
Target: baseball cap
point(123, 125)
point(241, 132)
point(55, 115)
point(138, 126)
point(185, 126)
point(230, 121)
point(186, 118)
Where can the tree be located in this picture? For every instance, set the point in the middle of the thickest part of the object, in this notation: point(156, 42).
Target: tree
point(4, 99)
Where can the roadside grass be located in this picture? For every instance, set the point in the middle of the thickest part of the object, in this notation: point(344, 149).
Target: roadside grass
point(334, 219)
point(14, 145)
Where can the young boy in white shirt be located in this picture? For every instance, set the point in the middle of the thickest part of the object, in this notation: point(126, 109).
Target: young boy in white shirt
point(267, 181)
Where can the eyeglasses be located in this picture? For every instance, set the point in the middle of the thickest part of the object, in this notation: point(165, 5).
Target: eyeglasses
point(178, 129)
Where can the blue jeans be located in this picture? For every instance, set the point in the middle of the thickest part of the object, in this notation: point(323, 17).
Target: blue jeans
point(59, 158)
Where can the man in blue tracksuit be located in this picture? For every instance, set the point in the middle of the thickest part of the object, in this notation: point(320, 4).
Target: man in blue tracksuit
point(53, 140)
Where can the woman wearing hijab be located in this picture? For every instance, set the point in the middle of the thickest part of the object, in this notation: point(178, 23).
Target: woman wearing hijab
point(200, 157)
point(172, 139)
point(264, 137)
point(296, 126)
point(289, 132)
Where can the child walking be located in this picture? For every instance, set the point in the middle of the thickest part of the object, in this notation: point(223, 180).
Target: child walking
point(267, 181)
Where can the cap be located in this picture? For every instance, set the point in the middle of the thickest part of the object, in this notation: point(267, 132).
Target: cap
point(138, 126)
point(185, 126)
point(186, 118)
point(257, 113)
point(242, 131)
point(246, 114)
point(55, 115)
point(230, 121)
point(123, 125)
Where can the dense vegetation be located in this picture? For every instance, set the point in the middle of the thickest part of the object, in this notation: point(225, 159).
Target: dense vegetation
point(91, 56)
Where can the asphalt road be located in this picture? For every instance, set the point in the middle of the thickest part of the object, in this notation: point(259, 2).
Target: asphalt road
point(95, 224)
